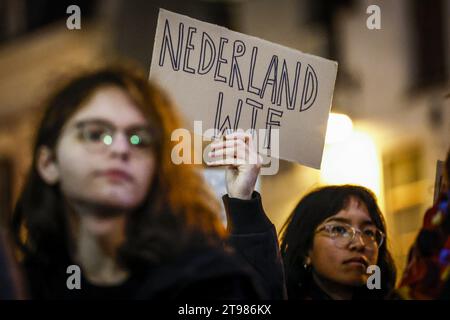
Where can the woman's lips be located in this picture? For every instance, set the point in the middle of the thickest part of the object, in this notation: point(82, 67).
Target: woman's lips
point(359, 261)
point(116, 174)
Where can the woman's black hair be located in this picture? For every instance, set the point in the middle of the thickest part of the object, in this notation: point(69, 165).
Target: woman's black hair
point(298, 233)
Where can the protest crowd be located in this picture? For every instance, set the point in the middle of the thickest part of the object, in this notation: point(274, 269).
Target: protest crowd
point(104, 211)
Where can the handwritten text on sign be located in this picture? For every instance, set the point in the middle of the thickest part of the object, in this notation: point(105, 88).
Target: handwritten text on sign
point(229, 80)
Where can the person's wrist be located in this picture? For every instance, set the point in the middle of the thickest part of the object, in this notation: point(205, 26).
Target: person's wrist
point(241, 195)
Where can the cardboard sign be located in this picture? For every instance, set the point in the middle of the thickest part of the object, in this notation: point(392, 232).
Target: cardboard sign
point(229, 80)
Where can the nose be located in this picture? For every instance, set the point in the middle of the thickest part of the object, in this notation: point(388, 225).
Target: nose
point(120, 146)
point(357, 242)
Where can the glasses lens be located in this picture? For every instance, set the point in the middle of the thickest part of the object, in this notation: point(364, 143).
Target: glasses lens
point(142, 139)
point(107, 139)
point(372, 236)
point(95, 135)
point(135, 140)
point(338, 230)
point(341, 233)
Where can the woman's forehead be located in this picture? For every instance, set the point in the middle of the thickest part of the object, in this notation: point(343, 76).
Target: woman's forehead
point(355, 212)
point(112, 105)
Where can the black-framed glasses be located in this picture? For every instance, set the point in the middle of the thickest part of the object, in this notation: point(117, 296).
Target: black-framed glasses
point(98, 135)
point(343, 234)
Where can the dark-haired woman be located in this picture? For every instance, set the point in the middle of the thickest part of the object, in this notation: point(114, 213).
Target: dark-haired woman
point(103, 195)
point(331, 238)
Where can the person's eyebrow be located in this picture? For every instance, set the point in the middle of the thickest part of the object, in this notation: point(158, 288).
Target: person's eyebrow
point(99, 121)
point(348, 221)
point(135, 127)
point(367, 223)
point(338, 219)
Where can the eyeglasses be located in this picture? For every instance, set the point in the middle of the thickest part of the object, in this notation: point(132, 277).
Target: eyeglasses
point(343, 234)
point(98, 135)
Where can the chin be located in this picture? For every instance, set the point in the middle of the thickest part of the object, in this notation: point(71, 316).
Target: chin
point(124, 205)
point(356, 281)
point(118, 200)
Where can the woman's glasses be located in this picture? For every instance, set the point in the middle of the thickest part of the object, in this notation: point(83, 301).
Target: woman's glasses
point(98, 135)
point(343, 234)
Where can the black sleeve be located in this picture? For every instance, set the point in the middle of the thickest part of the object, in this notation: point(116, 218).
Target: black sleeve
point(254, 238)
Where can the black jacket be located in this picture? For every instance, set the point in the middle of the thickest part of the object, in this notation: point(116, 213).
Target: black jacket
point(200, 273)
point(248, 267)
point(254, 238)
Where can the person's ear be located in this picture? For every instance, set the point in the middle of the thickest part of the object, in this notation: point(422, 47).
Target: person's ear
point(307, 263)
point(46, 165)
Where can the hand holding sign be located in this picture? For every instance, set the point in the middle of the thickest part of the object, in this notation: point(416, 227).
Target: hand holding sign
point(238, 152)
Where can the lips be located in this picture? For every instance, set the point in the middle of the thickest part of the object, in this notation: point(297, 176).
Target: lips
point(358, 260)
point(116, 174)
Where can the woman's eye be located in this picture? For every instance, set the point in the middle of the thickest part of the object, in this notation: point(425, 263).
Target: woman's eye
point(339, 230)
point(370, 233)
point(94, 134)
point(141, 139)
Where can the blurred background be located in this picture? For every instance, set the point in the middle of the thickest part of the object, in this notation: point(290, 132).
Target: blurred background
point(390, 121)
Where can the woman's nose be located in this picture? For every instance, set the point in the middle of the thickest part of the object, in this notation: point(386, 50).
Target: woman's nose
point(357, 241)
point(120, 145)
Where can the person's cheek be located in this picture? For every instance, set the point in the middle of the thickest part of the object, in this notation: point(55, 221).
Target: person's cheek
point(145, 172)
point(326, 259)
point(373, 258)
point(73, 179)
point(75, 169)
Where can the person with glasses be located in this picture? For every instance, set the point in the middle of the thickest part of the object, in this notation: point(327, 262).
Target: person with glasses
point(103, 202)
point(329, 241)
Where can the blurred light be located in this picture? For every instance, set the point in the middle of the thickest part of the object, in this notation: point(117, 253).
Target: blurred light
point(339, 128)
point(107, 139)
point(353, 161)
point(134, 139)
